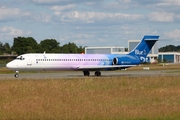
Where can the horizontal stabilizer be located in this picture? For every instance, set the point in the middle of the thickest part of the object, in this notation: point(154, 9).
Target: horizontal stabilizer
point(151, 38)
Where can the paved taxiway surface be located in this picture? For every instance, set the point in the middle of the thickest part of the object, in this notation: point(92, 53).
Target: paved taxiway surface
point(79, 74)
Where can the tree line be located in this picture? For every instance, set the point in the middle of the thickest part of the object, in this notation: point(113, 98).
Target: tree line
point(170, 48)
point(22, 45)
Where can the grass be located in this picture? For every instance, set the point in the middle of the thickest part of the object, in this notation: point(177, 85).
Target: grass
point(91, 98)
point(133, 98)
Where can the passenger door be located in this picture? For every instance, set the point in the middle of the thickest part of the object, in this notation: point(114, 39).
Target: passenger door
point(29, 62)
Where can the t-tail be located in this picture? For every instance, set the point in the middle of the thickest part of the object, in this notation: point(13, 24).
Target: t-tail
point(144, 47)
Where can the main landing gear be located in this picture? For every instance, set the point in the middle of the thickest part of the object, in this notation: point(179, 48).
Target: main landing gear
point(17, 74)
point(87, 73)
point(97, 73)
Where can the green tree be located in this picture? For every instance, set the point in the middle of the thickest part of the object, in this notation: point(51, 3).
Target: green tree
point(24, 45)
point(81, 49)
point(64, 49)
point(50, 46)
point(170, 48)
point(7, 48)
point(1, 48)
point(70, 48)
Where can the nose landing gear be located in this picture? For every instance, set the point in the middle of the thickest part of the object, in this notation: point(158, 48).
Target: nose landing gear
point(17, 74)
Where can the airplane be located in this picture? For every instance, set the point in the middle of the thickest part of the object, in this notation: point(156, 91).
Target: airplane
point(84, 62)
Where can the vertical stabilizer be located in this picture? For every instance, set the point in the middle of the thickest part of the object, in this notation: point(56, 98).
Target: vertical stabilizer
point(144, 47)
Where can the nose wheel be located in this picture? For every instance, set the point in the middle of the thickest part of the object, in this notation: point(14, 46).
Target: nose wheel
point(17, 74)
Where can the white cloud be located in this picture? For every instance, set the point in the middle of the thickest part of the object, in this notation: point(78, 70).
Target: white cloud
point(117, 5)
point(63, 2)
point(82, 36)
point(8, 32)
point(76, 38)
point(45, 1)
point(175, 34)
point(10, 14)
point(16, 14)
point(161, 17)
point(92, 17)
point(62, 8)
point(169, 3)
point(178, 17)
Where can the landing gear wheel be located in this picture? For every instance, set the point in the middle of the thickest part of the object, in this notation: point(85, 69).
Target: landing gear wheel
point(97, 73)
point(86, 73)
point(16, 75)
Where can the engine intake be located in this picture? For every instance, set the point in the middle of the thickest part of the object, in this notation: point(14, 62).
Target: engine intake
point(115, 61)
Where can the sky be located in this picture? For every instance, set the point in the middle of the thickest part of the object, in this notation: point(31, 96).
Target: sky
point(90, 22)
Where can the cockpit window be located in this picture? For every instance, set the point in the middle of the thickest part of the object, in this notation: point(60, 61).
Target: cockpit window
point(20, 58)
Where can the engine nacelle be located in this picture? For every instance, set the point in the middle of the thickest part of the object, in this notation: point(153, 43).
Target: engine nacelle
point(116, 61)
point(125, 60)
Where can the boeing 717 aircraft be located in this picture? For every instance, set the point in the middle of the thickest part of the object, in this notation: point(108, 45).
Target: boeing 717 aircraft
point(84, 62)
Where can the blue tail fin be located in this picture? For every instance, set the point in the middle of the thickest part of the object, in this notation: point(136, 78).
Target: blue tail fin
point(144, 47)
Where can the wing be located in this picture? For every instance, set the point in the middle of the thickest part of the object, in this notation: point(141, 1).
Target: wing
point(93, 67)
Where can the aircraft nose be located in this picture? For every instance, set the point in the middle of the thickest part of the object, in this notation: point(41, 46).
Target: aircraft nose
point(10, 65)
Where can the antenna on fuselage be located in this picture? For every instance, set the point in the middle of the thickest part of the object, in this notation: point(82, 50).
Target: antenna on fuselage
point(44, 54)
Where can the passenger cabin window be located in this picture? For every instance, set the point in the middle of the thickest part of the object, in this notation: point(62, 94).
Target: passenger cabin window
point(21, 58)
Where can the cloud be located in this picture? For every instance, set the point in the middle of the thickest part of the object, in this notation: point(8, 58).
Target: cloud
point(45, 2)
point(175, 34)
point(152, 5)
point(161, 17)
point(63, 2)
point(11, 14)
point(169, 3)
point(62, 8)
point(8, 32)
point(93, 17)
point(78, 38)
point(117, 5)
point(16, 14)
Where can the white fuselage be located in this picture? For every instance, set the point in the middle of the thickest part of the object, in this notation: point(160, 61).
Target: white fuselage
point(57, 61)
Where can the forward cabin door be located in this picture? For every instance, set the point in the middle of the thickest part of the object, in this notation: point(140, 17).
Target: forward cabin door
point(29, 61)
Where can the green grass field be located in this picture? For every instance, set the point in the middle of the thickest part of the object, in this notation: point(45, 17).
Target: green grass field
point(114, 98)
